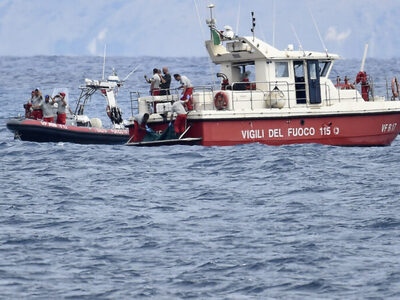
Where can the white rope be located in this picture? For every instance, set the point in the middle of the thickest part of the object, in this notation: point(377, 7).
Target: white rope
point(319, 33)
point(297, 38)
point(198, 17)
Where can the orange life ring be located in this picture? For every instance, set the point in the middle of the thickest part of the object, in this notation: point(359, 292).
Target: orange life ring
point(395, 87)
point(221, 100)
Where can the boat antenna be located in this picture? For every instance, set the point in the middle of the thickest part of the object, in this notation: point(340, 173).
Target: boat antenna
point(104, 59)
point(211, 23)
point(298, 40)
point(273, 22)
point(319, 33)
point(364, 58)
point(131, 72)
point(253, 23)
point(238, 18)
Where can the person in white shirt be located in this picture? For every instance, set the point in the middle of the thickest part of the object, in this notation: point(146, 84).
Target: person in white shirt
point(180, 121)
point(155, 82)
point(139, 128)
point(61, 109)
point(187, 87)
point(47, 107)
point(36, 99)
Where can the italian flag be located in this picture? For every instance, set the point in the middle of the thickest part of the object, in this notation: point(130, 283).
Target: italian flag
point(216, 37)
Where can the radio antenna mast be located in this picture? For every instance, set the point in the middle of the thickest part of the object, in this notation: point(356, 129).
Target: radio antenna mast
point(104, 60)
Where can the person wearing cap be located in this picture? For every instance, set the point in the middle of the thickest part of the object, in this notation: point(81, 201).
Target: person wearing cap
point(187, 87)
point(61, 109)
point(47, 108)
point(36, 101)
point(180, 121)
point(139, 128)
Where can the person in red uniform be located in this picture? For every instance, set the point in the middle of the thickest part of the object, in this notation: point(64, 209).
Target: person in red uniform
point(36, 100)
point(187, 87)
point(28, 107)
point(362, 77)
point(47, 107)
point(61, 109)
point(140, 127)
point(180, 121)
point(155, 82)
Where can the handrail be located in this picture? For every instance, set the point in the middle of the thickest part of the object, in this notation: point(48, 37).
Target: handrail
point(295, 93)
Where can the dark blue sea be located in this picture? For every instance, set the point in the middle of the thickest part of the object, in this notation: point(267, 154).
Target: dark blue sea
point(190, 222)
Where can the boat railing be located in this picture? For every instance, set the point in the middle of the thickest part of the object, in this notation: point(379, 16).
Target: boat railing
point(203, 92)
point(134, 96)
point(386, 88)
point(257, 95)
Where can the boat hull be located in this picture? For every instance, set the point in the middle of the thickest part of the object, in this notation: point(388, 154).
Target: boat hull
point(40, 131)
point(372, 129)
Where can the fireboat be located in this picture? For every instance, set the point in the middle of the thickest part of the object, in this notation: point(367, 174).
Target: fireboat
point(289, 100)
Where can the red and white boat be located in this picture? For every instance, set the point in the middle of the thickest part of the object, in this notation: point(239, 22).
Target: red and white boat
point(289, 100)
point(79, 128)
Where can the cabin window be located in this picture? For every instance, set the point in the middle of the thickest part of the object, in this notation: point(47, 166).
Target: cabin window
point(312, 68)
point(281, 69)
point(324, 67)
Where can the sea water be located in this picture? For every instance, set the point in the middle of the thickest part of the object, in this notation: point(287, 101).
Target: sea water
point(190, 222)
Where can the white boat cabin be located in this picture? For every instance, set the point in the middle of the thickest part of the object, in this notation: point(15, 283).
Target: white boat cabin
point(258, 78)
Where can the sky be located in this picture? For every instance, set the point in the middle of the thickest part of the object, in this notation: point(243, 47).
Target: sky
point(176, 28)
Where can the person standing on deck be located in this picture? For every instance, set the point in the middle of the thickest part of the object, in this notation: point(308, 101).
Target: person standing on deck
point(187, 87)
point(47, 108)
point(28, 107)
point(165, 82)
point(140, 122)
point(180, 121)
point(36, 101)
point(155, 82)
point(61, 109)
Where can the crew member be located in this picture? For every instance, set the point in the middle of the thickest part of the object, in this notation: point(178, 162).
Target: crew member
point(187, 87)
point(140, 122)
point(246, 79)
point(180, 121)
point(165, 82)
point(47, 108)
point(28, 106)
point(154, 82)
point(36, 101)
point(61, 109)
point(362, 77)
